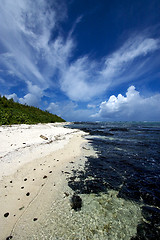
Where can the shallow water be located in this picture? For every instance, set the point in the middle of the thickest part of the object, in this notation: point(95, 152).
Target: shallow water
point(128, 163)
point(102, 216)
point(119, 188)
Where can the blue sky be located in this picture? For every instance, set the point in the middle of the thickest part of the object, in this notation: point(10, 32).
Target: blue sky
point(83, 60)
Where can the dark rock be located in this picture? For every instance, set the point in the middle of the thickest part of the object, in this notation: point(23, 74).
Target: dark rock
point(76, 202)
point(66, 194)
point(35, 219)
point(135, 238)
point(25, 179)
point(6, 214)
point(27, 194)
point(10, 237)
point(44, 177)
point(146, 231)
point(150, 199)
point(73, 178)
point(118, 130)
point(101, 133)
point(151, 214)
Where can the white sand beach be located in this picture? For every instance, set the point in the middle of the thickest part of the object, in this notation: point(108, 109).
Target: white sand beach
point(34, 163)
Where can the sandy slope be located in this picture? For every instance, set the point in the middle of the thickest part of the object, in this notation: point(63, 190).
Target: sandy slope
point(33, 173)
point(23, 143)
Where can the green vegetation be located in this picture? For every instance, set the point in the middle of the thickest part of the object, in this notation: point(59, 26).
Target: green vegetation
point(15, 113)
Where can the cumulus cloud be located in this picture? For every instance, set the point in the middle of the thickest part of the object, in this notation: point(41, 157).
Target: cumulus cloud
point(33, 98)
point(133, 107)
point(14, 96)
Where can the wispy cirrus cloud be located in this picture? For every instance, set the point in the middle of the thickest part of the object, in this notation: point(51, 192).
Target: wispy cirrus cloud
point(27, 49)
point(31, 52)
point(132, 60)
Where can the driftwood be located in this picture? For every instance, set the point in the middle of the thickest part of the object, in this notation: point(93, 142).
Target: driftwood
point(45, 138)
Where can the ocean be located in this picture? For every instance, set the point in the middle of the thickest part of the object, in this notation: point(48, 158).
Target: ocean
point(120, 188)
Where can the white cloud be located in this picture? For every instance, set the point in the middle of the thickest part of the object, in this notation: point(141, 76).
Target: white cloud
point(30, 53)
point(79, 80)
point(91, 106)
point(33, 98)
point(69, 111)
point(25, 32)
point(14, 96)
point(85, 79)
point(30, 100)
point(133, 107)
point(135, 47)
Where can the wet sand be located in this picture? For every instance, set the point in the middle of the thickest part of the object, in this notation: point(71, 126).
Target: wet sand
point(35, 161)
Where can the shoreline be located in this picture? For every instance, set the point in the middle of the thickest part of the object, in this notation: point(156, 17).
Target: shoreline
point(24, 143)
point(29, 187)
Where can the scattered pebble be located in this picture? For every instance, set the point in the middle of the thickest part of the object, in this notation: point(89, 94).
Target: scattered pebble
point(25, 179)
point(21, 208)
point(35, 219)
point(50, 172)
point(22, 187)
point(6, 214)
point(33, 180)
point(27, 194)
point(66, 194)
point(44, 177)
point(34, 169)
point(10, 181)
